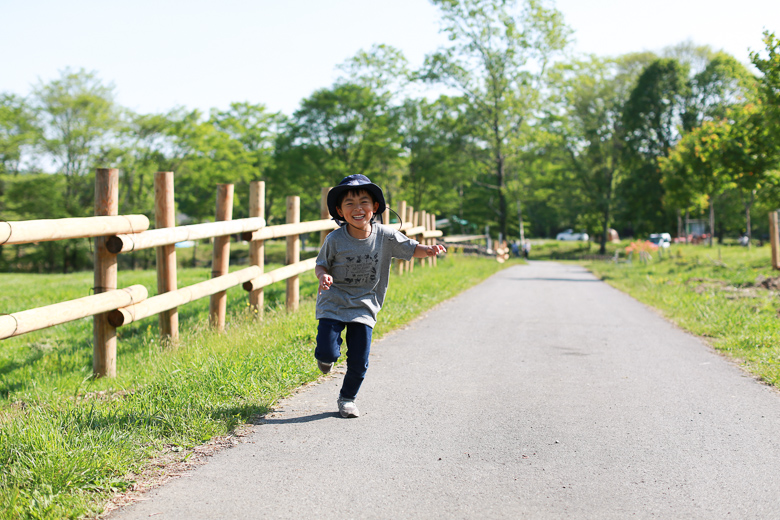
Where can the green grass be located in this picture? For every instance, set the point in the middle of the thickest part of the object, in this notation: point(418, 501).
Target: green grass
point(68, 442)
point(714, 293)
point(547, 249)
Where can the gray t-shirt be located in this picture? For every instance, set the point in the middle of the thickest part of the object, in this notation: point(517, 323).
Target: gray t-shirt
point(360, 271)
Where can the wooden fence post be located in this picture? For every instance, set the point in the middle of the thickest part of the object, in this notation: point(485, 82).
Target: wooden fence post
point(105, 278)
point(430, 241)
point(324, 213)
point(413, 220)
point(257, 247)
point(165, 217)
point(433, 240)
point(423, 216)
point(774, 239)
point(221, 257)
point(402, 217)
point(293, 252)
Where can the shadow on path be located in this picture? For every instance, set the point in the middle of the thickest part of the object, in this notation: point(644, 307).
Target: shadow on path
point(298, 420)
point(534, 279)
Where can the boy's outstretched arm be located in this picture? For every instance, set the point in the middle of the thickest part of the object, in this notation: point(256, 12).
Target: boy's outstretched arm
point(326, 280)
point(422, 251)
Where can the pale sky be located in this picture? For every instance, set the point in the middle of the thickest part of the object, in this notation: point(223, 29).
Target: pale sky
point(160, 54)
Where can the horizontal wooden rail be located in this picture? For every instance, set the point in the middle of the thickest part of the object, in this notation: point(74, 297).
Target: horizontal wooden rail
point(285, 230)
point(463, 238)
point(167, 236)
point(28, 231)
point(277, 275)
point(417, 230)
point(58, 313)
point(169, 300)
point(434, 233)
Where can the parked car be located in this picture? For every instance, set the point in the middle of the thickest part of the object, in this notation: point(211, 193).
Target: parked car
point(661, 239)
point(569, 234)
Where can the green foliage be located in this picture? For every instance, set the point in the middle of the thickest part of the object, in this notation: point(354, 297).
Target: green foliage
point(652, 119)
point(723, 84)
point(440, 156)
point(695, 167)
point(143, 148)
point(78, 114)
point(592, 133)
point(346, 130)
point(496, 60)
point(18, 130)
point(769, 82)
point(382, 69)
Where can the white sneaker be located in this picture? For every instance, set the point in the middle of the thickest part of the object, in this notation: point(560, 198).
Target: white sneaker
point(347, 408)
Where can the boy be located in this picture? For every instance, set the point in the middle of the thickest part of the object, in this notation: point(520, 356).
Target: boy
point(353, 268)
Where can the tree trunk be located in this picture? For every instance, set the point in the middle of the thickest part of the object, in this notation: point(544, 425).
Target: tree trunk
point(712, 218)
point(748, 206)
point(605, 234)
point(501, 195)
point(679, 224)
point(609, 178)
point(500, 174)
point(520, 221)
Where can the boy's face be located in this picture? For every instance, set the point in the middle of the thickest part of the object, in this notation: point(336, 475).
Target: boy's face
point(358, 209)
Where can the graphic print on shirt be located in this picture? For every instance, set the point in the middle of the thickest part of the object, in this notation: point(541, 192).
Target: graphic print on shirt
point(361, 269)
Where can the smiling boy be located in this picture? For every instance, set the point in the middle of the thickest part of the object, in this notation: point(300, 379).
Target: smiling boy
point(353, 268)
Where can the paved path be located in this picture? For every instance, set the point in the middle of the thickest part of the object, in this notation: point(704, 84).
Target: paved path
point(541, 393)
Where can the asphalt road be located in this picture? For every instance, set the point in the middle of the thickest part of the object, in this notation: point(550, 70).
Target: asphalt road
point(541, 393)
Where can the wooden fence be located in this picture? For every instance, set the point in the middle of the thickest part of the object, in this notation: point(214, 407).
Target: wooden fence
point(114, 234)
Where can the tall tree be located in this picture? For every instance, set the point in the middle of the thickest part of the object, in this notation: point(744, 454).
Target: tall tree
point(652, 119)
point(769, 82)
point(18, 130)
point(78, 114)
point(337, 132)
point(383, 68)
point(722, 84)
point(143, 147)
point(439, 152)
point(254, 127)
point(206, 155)
point(497, 59)
point(593, 95)
point(696, 166)
point(751, 154)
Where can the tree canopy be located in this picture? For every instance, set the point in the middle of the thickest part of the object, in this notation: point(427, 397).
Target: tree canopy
point(526, 140)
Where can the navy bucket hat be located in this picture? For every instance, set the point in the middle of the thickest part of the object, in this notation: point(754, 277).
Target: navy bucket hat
point(351, 182)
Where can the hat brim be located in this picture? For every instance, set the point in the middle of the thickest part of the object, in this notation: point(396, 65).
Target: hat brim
point(373, 189)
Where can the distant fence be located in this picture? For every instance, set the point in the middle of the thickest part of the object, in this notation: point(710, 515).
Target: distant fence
point(114, 234)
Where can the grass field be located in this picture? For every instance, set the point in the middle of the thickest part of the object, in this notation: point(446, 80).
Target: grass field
point(68, 442)
point(727, 295)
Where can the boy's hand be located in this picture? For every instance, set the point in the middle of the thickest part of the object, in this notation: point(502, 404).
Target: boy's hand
point(326, 281)
point(435, 250)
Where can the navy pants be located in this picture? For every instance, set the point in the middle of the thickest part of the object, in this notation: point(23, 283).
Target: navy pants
point(328, 350)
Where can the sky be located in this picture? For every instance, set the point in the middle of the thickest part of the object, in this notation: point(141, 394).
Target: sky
point(161, 54)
